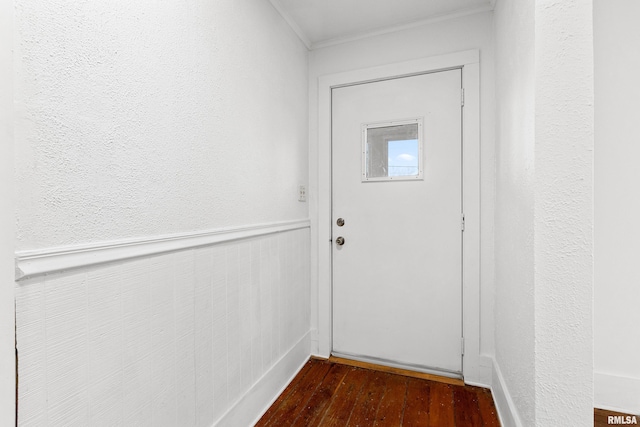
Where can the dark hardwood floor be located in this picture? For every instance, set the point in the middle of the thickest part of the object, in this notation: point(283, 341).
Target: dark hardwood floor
point(601, 418)
point(334, 394)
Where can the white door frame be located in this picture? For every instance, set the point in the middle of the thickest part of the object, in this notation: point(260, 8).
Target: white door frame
point(469, 61)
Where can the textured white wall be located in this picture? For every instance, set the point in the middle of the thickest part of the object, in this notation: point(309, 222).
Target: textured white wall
point(563, 218)
point(7, 219)
point(470, 32)
point(544, 212)
point(514, 305)
point(145, 118)
point(138, 119)
point(170, 340)
point(617, 199)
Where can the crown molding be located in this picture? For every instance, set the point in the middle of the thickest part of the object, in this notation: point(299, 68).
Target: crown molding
point(366, 34)
point(292, 23)
point(401, 27)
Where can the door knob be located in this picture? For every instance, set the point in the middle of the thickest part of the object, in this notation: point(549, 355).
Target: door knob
point(340, 241)
point(340, 222)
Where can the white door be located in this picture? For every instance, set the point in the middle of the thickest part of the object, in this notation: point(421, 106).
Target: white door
point(397, 184)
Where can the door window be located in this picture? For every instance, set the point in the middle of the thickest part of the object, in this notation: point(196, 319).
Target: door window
point(392, 151)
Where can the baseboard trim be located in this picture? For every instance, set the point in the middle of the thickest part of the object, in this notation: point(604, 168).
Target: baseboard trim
point(482, 372)
point(35, 263)
point(616, 393)
point(248, 410)
point(507, 411)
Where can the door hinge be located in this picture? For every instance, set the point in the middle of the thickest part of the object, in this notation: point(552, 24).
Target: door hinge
point(462, 97)
point(462, 346)
point(462, 222)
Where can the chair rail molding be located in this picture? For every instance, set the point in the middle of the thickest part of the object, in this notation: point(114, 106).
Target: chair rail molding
point(34, 263)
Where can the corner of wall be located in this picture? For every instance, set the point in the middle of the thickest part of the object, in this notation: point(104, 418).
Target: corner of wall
point(315, 342)
point(250, 408)
point(481, 374)
point(7, 219)
point(507, 411)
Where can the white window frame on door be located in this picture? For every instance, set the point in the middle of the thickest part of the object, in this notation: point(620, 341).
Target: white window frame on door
point(365, 129)
point(469, 62)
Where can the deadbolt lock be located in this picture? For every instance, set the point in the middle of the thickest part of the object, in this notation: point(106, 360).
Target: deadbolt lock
point(340, 222)
point(340, 241)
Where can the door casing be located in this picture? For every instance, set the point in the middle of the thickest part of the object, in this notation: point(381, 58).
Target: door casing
point(469, 62)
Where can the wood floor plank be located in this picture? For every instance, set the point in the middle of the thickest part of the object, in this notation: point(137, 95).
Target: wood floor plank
point(599, 417)
point(466, 410)
point(441, 405)
point(288, 410)
point(391, 408)
point(488, 411)
point(313, 410)
point(326, 394)
point(294, 384)
point(416, 411)
point(341, 407)
point(366, 406)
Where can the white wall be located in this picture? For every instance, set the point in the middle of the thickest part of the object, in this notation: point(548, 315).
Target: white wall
point(7, 220)
point(544, 212)
point(437, 38)
point(563, 217)
point(515, 180)
point(617, 199)
point(167, 340)
point(141, 120)
point(138, 119)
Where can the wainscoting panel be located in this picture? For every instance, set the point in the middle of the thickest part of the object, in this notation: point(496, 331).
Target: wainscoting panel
point(164, 340)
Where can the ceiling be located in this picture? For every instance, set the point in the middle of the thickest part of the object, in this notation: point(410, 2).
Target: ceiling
point(324, 22)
